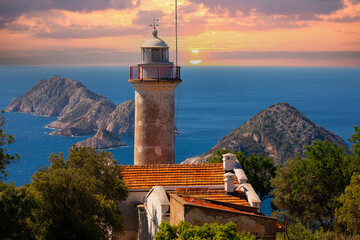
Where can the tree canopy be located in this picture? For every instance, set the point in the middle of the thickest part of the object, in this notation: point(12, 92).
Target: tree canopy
point(16, 212)
point(309, 188)
point(258, 169)
point(79, 196)
point(349, 212)
point(5, 139)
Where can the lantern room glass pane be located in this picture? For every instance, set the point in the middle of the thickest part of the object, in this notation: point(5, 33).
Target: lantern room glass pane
point(147, 55)
point(156, 55)
point(164, 58)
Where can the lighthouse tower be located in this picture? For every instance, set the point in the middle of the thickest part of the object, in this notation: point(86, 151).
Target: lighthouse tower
point(154, 80)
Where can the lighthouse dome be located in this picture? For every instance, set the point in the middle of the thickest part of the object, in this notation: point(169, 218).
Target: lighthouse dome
point(154, 41)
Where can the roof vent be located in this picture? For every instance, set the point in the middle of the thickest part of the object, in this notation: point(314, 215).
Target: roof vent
point(229, 160)
point(229, 182)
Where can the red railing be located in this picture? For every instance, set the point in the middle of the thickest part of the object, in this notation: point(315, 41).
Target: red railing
point(168, 73)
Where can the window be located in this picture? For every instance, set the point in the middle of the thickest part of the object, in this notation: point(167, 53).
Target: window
point(146, 55)
point(156, 55)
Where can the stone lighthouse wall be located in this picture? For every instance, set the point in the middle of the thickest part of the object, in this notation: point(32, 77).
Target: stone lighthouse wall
point(154, 122)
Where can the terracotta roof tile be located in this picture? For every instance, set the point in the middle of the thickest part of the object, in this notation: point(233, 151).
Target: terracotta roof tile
point(147, 176)
point(208, 204)
point(237, 198)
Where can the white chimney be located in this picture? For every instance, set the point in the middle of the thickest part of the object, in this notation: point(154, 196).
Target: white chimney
point(229, 182)
point(229, 160)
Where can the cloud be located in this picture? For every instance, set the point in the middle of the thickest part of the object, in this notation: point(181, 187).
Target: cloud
point(79, 32)
point(345, 19)
point(11, 9)
point(323, 55)
point(351, 12)
point(145, 18)
point(85, 56)
point(274, 7)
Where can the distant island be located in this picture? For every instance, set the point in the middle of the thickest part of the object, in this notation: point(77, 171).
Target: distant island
point(80, 111)
point(278, 132)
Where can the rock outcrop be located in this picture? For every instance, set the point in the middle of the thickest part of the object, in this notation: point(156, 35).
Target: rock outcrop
point(103, 139)
point(279, 132)
point(87, 117)
point(122, 119)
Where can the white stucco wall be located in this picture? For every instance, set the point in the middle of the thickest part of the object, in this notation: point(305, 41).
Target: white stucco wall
point(158, 208)
point(130, 214)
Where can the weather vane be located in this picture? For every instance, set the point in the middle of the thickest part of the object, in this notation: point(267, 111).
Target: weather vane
point(155, 24)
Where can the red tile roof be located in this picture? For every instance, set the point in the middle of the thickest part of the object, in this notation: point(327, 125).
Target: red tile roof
point(208, 204)
point(147, 176)
point(237, 198)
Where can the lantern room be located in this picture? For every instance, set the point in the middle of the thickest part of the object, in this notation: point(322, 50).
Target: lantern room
point(154, 63)
point(154, 50)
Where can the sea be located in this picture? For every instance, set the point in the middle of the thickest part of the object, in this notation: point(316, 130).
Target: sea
point(210, 103)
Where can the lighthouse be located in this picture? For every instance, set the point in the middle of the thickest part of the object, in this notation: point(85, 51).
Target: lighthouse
point(154, 80)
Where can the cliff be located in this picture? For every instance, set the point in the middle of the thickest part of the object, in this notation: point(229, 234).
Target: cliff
point(279, 132)
point(103, 139)
point(122, 119)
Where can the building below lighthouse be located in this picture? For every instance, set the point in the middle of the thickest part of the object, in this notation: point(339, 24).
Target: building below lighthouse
point(154, 79)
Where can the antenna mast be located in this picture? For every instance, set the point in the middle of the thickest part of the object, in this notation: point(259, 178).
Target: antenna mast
point(176, 62)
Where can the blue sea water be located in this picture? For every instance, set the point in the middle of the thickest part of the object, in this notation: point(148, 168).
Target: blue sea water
point(210, 103)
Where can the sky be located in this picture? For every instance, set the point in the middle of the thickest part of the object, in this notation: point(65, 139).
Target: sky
point(210, 32)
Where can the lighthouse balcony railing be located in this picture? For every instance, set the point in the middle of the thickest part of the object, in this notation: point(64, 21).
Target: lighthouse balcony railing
point(167, 73)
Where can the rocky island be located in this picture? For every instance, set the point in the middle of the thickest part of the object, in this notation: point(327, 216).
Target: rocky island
point(80, 111)
point(278, 132)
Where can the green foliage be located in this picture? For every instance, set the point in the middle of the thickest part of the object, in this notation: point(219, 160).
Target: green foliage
point(298, 231)
point(186, 231)
point(258, 169)
point(217, 158)
point(79, 196)
point(309, 187)
point(5, 138)
point(355, 140)
point(349, 213)
point(166, 232)
point(16, 212)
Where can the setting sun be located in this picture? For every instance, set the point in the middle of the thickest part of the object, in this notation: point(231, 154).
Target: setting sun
point(195, 62)
point(195, 57)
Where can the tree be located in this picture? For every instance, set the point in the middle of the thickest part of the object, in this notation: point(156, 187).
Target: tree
point(79, 196)
point(5, 138)
point(258, 169)
point(355, 140)
point(218, 155)
point(308, 187)
point(186, 231)
point(349, 213)
point(16, 212)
